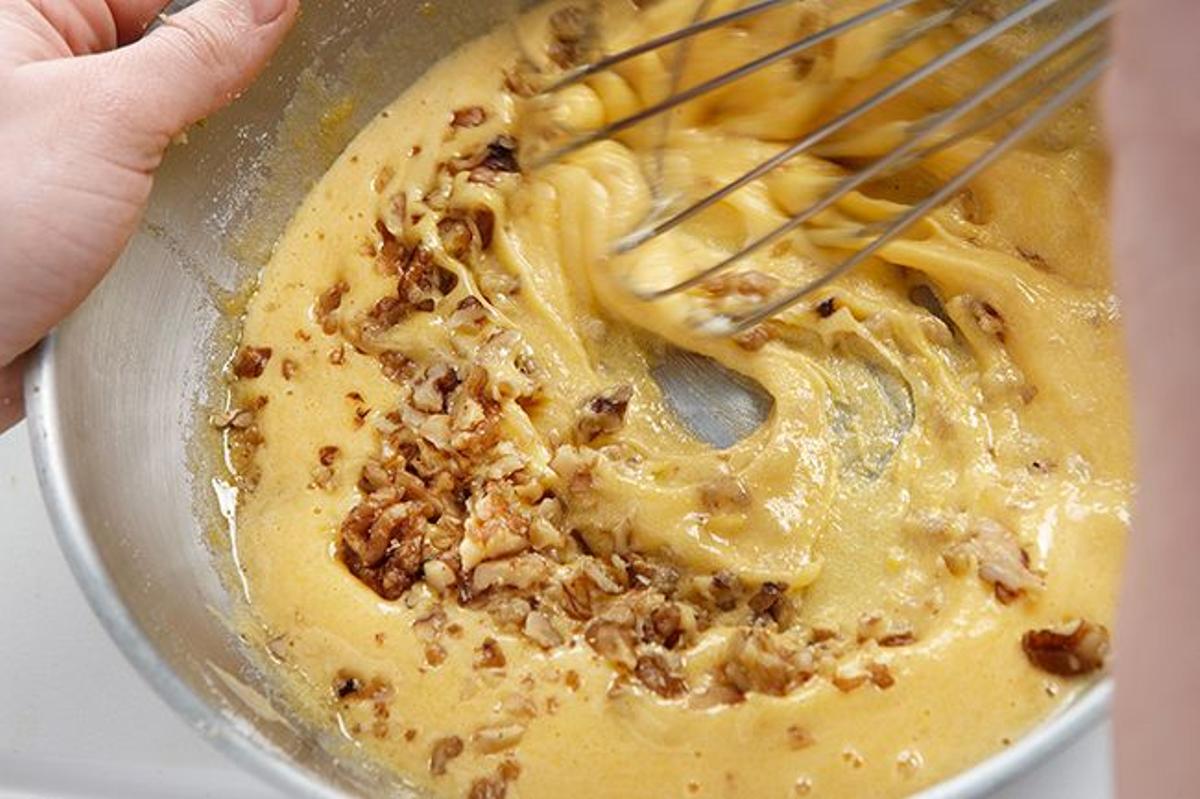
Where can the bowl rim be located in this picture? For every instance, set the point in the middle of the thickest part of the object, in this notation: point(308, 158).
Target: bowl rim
point(259, 757)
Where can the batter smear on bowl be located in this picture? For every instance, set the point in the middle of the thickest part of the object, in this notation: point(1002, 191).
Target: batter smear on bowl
point(481, 542)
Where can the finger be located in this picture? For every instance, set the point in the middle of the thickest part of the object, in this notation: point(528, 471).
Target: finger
point(70, 27)
point(197, 61)
point(132, 17)
point(46, 29)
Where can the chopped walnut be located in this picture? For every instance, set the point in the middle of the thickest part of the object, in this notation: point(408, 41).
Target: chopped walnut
point(522, 572)
point(493, 530)
point(429, 392)
point(901, 638)
point(497, 737)
point(470, 117)
point(850, 677)
point(755, 660)
point(657, 673)
point(666, 626)
point(439, 575)
point(576, 467)
point(881, 675)
point(250, 362)
point(327, 455)
point(470, 314)
point(396, 366)
point(234, 418)
point(456, 236)
point(382, 543)
point(435, 654)
point(493, 787)
point(723, 590)
point(490, 655)
point(569, 28)
point(501, 155)
point(539, 629)
point(1080, 647)
point(1002, 561)
point(322, 477)
point(444, 750)
point(725, 493)
point(755, 338)
point(772, 603)
point(612, 641)
point(750, 284)
point(509, 770)
point(988, 318)
point(496, 284)
point(604, 413)
point(346, 685)
point(328, 302)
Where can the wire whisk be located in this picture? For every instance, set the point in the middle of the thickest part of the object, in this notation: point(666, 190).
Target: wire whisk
point(1043, 83)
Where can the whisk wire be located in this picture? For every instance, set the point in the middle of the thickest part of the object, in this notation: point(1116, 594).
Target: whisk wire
point(730, 325)
point(1046, 95)
point(720, 81)
point(838, 123)
point(904, 153)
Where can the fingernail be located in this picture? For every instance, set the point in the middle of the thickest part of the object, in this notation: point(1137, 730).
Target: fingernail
point(266, 11)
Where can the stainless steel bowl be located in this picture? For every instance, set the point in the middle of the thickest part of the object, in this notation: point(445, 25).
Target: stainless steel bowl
point(112, 399)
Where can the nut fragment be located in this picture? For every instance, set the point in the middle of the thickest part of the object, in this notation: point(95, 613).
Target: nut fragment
point(541, 631)
point(328, 302)
point(725, 493)
point(493, 787)
point(444, 750)
point(1002, 561)
point(470, 117)
point(1080, 647)
point(568, 30)
point(490, 655)
point(497, 738)
point(656, 673)
point(772, 603)
point(612, 641)
point(604, 413)
point(250, 362)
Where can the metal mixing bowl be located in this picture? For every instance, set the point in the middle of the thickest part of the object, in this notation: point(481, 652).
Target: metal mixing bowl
point(112, 396)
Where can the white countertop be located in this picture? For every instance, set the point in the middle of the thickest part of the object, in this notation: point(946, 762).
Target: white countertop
point(76, 721)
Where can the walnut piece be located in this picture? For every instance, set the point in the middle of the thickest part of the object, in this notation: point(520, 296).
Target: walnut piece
point(1080, 647)
point(569, 28)
point(490, 655)
point(250, 362)
point(470, 117)
point(656, 673)
point(604, 413)
point(493, 787)
point(1002, 561)
point(444, 750)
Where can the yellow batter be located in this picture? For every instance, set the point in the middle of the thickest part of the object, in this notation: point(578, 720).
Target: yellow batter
point(476, 534)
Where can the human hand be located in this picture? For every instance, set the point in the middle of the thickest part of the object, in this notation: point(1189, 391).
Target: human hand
point(87, 108)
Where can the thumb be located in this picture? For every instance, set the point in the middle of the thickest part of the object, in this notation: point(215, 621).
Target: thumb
point(198, 60)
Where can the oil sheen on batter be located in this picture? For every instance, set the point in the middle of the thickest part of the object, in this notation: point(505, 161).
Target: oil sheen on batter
point(479, 540)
